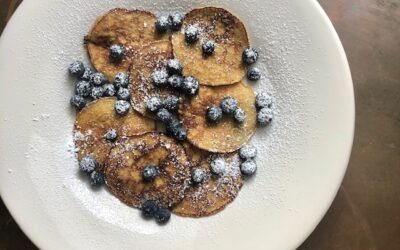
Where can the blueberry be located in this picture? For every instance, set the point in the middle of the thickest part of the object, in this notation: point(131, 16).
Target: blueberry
point(172, 127)
point(88, 164)
point(239, 115)
point(191, 34)
point(176, 20)
point(198, 175)
point(248, 167)
point(263, 100)
point(160, 78)
point(254, 74)
point(123, 94)
point(87, 74)
point(121, 80)
point(248, 151)
point(111, 135)
point(149, 173)
point(176, 82)
point(190, 85)
point(218, 165)
point(76, 68)
point(176, 130)
point(98, 79)
point(171, 103)
point(265, 116)
point(174, 67)
point(162, 24)
point(83, 88)
point(97, 178)
point(97, 92)
point(229, 105)
point(109, 90)
point(164, 116)
point(116, 52)
point(153, 104)
point(122, 107)
point(78, 102)
point(162, 216)
point(250, 56)
point(208, 47)
point(214, 114)
point(149, 208)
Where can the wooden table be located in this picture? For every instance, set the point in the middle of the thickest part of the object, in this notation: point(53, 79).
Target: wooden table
point(366, 212)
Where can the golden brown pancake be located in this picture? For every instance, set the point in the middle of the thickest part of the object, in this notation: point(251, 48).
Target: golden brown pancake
point(227, 135)
point(225, 66)
point(132, 29)
point(215, 192)
point(128, 159)
point(93, 122)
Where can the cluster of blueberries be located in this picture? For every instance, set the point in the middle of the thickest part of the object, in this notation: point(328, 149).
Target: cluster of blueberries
point(171, 77)
point(229, 106)
point(94, 85)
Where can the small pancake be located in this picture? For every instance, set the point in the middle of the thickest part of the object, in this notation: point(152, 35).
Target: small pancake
point(225, 65)
point(128, 159)
point(132, 29)
point(93, 122)
point(153, 56)
point(215, 192)
point(226, 136)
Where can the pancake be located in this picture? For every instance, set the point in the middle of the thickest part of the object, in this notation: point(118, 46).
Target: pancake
point(226, 136)
point(132, 29)
point(93, 122)
point(215, 192)
point(225, 65)
point(128, 159)
point(153, 56)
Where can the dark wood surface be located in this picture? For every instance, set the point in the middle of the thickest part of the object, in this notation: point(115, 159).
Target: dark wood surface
point(366, 212)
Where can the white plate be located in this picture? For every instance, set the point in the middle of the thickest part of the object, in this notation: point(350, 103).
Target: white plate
point(303, 155)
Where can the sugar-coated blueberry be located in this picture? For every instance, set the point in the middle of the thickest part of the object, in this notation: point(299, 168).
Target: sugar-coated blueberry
point(176, 130)
point(149, 208)
point(239, 115)
point(254, 74)
point(97, 92)
point(162, 24)
point(122, 107)
point(76, 68)
point(248, 151)
point(191, 34)
point(208, 47)
point(198, 175)
point(250, 56)
point(248, 167)
point(149, 173)
point(153, 104)
point(163, 215)
point(111, 135)
point(160, 78)
point(218, 165)
point(109, 90)
point(176, 82)
point(171, 103)
point(87, 74)
point(116, 52)
point(214, 114)
point(97, 178)
point(164, 115)
point(263, 100)
point(265, 116)
point(190, 85)
point(121, 80)
point(174, 67)
point(78, 102)
point(88, 164)
point(176, 20)
point(229, 105)
point(83, 88)
point(123, 94)
point(98, 79)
